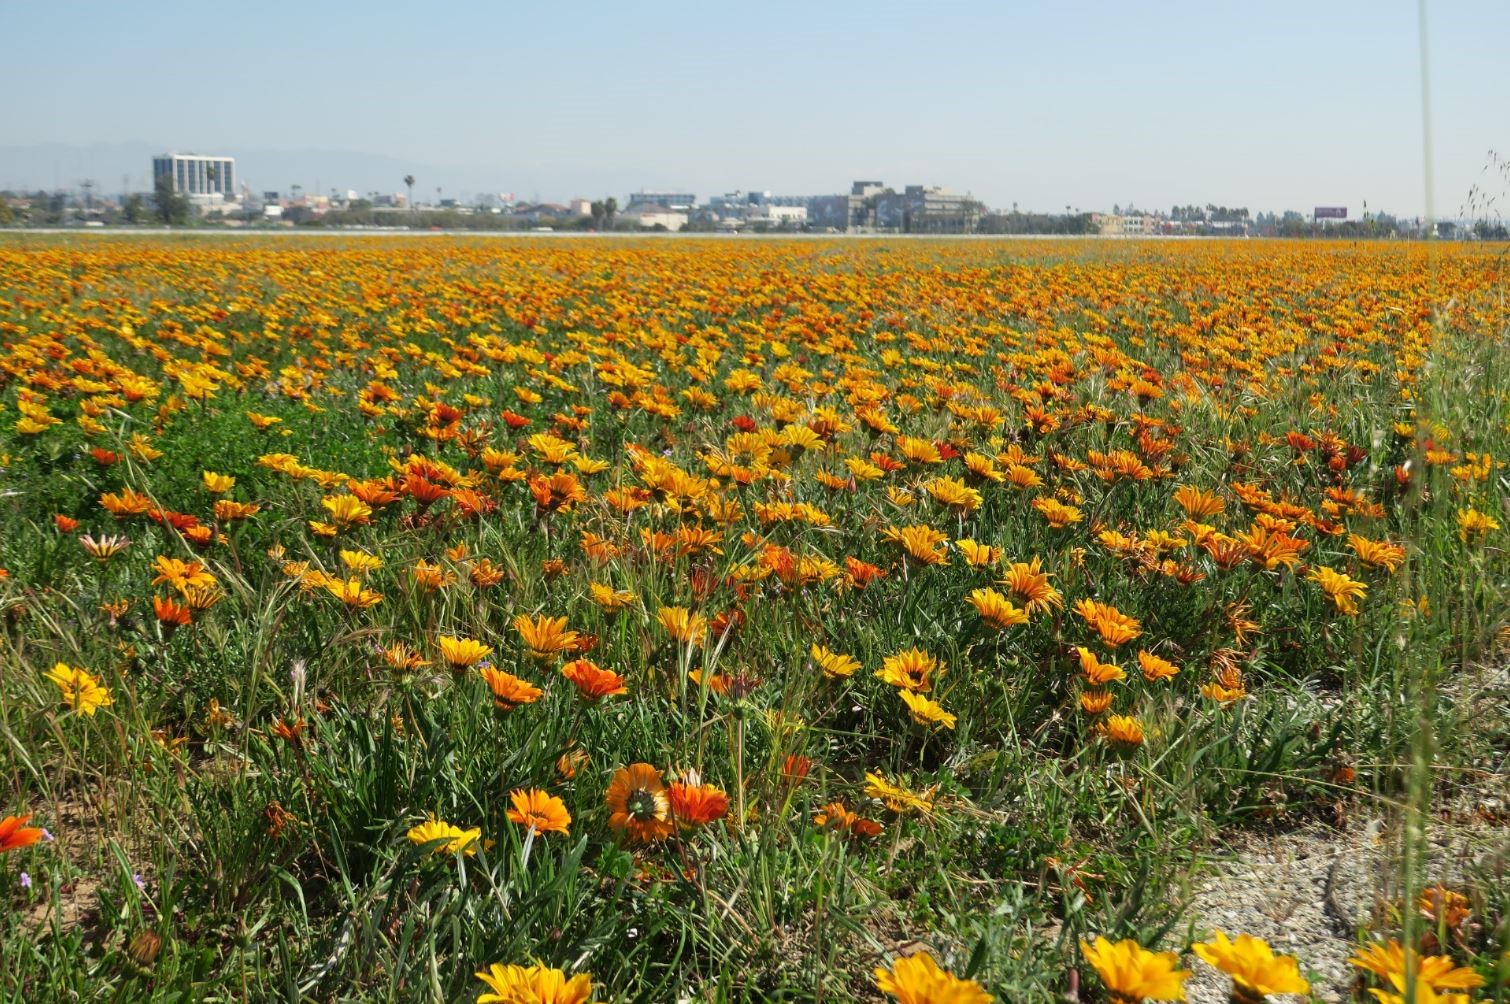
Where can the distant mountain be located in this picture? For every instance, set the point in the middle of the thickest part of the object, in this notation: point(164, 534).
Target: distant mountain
point(110, 165)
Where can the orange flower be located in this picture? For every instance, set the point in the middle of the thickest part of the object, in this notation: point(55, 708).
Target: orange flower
point(638, 805)
point(509, 691)
point(593, 681)
point(539, 811)
point(697, 804)
point(15, 834)
point(544, 636)
point(834, 816)
point(1111, 624)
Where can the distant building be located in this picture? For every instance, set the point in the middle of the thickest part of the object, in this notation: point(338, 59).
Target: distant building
point(927, 209)
point(197, 176)
point(681, 201)
point(580, 207)
point(772, 215)
point(650, 216)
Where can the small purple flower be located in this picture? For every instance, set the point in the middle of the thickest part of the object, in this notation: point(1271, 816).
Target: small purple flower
point(26, 880)
point(47, 835)
point(138, 880)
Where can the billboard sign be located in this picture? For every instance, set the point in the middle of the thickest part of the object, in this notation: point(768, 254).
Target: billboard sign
point(1331, 212)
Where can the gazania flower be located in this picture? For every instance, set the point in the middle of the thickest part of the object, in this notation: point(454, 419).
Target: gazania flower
point(456, 839)
point(1098, 673)
point(536, 984)
point(347, 510)
point(896, 796)
point(911, 669)
point(593, 681)
point(1255, 970)
point(694, 804)
point(462, 653)
point(1390, 961)
point(609, 598)
point(638, 804)
point(15, 834)
point(926, 712)
point(1122, 729)
point(170, 613)
point(835, 817)
point(403, 659)
point(1198, 504)
point(1342, 591)
point(539, 811)
point(544, 636)
point(922, 544)
point(181, 575)
point(1155, 668)
point(1471, 523)
point(978, 555)
point(1095, 702)
point(353, 594)
point(64, 524)
point(1057, 513)
point(1029, 583)
point(833, 664)
point(1111, 624)
point(218, 484)
point(360, 562)
point(81, 690)
point(995, 609)
point(1377, 553)
point(955, 494)
point(682, 624)
point(1132, 973)
point(917, 979)
point(509, 691)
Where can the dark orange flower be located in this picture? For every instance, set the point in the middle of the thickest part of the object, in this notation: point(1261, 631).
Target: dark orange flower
point(697, 804)
point(592, 681)
point(15, 834)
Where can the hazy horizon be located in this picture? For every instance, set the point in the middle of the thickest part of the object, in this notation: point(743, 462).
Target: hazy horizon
point(1285, 108)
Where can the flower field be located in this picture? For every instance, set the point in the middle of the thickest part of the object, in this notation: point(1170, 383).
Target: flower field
point(556, 621)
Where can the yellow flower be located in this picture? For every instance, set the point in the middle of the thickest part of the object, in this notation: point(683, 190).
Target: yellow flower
point(1029, 583)
point(1123, 729)
point(978, 555)
point(921, 543)
point(896, 797)
point(834, 664)
point(1132, 973)
point(995, 609)
point(537, 984)
point(82, 691)
point(954, 493)
point(218, 484)
point(910, 670)
point(456, 839)
point(462, 653)
point(360, 562)
point(1343, 591)
point(681, 624)
point(347, 510)
point(1472, 523)
point(1390, 961)
point(1111, 624)
point(1255, 970)
point(926, 712)
point(544, 636)
point(352, 593)
point(917, 979)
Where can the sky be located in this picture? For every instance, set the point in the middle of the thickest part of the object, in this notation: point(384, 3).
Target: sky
point(1079, 103)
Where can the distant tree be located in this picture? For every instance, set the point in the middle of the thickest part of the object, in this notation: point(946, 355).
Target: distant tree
point(7, 215)
point(409, 183)
point(610, 210)
point(135, 209)
point(598, 211)
point(172, 207)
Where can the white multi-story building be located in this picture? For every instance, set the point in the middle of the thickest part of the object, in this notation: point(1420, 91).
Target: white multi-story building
point(196, 175)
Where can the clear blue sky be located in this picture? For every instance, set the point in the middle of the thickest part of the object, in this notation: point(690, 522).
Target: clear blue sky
point(1267, 104)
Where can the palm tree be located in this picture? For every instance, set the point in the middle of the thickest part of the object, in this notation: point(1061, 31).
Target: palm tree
point(409, 181)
